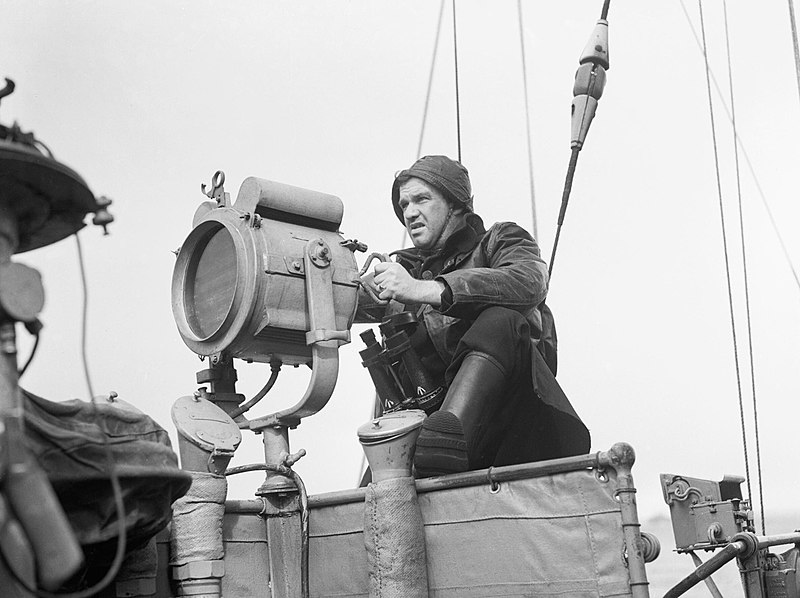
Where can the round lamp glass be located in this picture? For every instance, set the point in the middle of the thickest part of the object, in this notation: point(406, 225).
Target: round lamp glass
point(211, 280)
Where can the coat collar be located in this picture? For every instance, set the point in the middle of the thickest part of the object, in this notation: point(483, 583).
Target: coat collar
point(460, 243)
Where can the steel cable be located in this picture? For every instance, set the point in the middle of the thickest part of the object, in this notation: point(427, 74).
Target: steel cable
point(744, 271)
point(746, 157)
point(430, 80)
point(427, 98)
point(527, 119)
point(455, 68)
point(725, 248)
point(793, 23)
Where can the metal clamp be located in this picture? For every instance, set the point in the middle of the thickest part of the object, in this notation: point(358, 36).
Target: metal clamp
point(321, 335)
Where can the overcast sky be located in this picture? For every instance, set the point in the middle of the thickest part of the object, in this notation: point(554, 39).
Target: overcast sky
point(147, 99)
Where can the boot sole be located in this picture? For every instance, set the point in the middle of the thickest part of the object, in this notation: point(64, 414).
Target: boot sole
point(441, 446)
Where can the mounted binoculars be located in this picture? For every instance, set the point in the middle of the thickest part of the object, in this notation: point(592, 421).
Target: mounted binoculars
point(400, 379)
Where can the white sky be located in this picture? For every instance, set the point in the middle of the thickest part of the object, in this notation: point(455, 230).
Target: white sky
point(147, 99)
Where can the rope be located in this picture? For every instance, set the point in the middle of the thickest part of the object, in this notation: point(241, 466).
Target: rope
point(744, 267)
point(746, 157)
point(725, 248)
point(793, 23)
point(527, 119)
point(455, 66)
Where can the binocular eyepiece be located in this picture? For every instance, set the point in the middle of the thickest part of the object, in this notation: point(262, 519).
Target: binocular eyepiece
point(400, 379)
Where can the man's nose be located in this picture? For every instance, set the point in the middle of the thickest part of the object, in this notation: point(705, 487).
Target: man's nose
point(410, 212)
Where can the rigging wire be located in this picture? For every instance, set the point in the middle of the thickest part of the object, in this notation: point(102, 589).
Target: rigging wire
point(362, 467)
point(725, 249)
point(793, 23)
point(430, 81)
point(455, 66)
point(588, 86)
point(746, 157)
point(427, 97)
point(744, 268)
point(527, 119)
point(604, 11)
point(573, 162)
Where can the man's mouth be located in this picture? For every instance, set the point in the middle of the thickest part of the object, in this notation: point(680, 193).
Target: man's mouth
point(416, 225)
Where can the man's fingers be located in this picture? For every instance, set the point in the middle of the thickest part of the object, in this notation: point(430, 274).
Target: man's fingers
point(382, 266)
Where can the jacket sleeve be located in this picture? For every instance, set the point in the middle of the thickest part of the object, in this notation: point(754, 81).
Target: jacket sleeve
point(515, 276)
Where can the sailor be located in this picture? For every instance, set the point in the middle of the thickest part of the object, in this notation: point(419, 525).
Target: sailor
point(478, 295)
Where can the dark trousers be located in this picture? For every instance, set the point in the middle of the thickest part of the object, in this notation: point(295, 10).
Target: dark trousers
point(526, 419)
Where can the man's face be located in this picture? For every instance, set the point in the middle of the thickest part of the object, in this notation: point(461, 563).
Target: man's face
point(425, 212)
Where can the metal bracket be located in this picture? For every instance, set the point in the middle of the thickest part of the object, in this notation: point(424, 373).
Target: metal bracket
point(253, 219)
point(324, 340)
point(318, 336)
point(217, 191)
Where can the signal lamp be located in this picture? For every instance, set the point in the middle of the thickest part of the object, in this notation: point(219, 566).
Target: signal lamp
point(266, 278)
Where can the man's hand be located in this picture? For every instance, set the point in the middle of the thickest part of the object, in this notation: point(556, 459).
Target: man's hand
point(394, 282)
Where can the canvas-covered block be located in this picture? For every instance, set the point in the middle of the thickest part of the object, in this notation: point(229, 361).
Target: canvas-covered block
point(558, 535)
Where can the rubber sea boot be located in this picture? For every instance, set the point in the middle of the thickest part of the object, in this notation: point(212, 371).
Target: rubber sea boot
point(464, 433)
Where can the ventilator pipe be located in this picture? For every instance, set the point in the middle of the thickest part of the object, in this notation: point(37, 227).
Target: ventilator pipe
point(207, 439)
point(196, 546)
point(394, 535)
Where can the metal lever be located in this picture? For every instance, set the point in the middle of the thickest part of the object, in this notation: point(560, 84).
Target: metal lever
point(381, 257)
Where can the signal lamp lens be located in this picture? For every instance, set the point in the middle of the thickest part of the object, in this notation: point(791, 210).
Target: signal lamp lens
point(210, 285)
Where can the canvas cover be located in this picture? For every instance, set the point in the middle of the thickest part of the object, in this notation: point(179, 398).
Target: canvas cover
point(558, 535)
point(70, 441)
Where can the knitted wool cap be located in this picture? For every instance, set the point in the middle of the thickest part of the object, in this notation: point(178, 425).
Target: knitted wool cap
point(447, 176)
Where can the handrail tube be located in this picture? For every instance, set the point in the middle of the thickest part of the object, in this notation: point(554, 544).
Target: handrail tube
point(715, 563)
point(599, 460)
point(730, 552)
point(778, 539)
